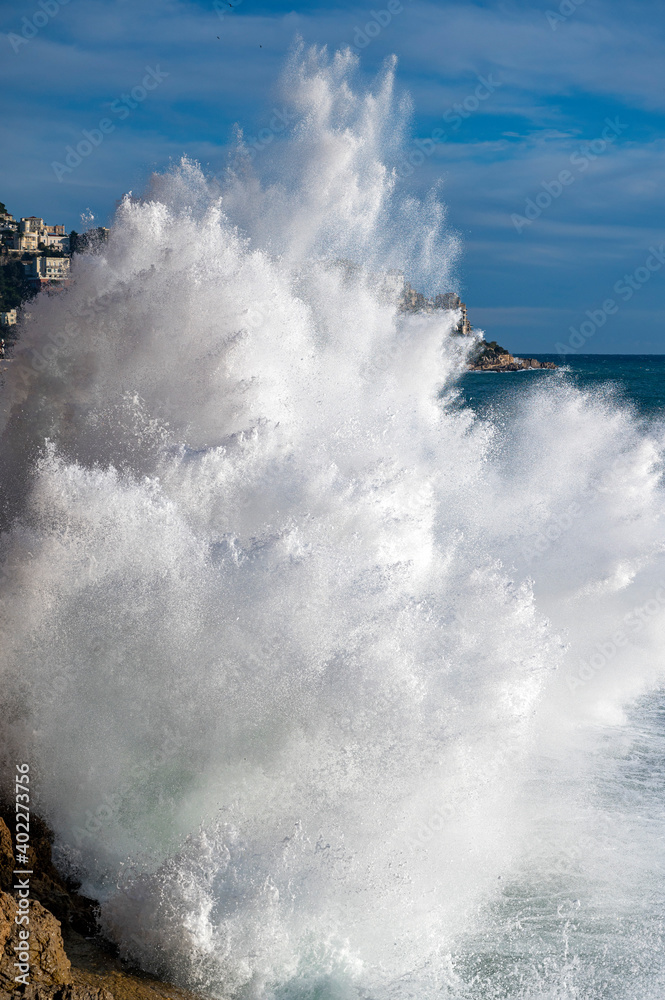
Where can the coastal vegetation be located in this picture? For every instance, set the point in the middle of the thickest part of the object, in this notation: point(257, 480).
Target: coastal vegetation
point(14, 286)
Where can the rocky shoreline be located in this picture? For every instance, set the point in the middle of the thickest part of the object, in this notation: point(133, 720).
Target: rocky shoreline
point(69, 960)
point(497, 359)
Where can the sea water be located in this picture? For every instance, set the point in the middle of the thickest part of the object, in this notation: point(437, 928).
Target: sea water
point(331, 684)
point(636, 381)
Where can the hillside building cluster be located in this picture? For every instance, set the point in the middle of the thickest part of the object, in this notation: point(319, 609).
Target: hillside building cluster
point(43, 250)
point(33, 255)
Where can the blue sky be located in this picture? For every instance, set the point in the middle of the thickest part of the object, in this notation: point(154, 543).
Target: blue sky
point(553, 81)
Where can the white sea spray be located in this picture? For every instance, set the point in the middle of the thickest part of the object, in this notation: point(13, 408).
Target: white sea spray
point(299, 708)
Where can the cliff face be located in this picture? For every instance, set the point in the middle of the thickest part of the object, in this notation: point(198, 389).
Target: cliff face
point(66, 958)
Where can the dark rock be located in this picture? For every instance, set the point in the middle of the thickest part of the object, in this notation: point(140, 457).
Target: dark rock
point(64, 963)
point(58, 895)
point(59, 993)
point(491, 357)
point(49, 965)
point(507, 363)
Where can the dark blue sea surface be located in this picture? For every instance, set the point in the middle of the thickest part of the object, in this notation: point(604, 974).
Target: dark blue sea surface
point(636, 379)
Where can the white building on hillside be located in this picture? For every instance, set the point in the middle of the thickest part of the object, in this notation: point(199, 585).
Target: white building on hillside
point(42, 270)
point(31, 224)
point(27, 241)
point(56, 240)
point(32, 232)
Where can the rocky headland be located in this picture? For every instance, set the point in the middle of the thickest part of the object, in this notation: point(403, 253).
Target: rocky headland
point(68, 958)
point(493, 358)
point(488, 356)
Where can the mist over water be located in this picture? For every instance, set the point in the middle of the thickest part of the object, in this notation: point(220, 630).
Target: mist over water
point(330, 688)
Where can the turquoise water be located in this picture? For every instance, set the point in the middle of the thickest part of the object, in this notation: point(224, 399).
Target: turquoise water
point(637, 379)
